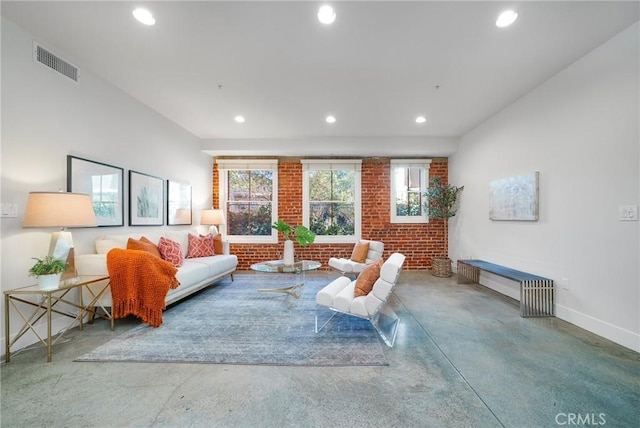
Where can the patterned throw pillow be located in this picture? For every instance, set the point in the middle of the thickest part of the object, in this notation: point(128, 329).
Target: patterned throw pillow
point(368, 277)
point(143, 244)
point(201, 246)
point(360, 252)
point(171, 251)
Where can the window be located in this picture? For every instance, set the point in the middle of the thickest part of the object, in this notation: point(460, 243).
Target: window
point(409, 181)
point(331, 199)
point(248, 195)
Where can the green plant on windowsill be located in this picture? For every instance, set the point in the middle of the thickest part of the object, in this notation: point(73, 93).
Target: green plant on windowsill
point(47, 266)
point(301, 234)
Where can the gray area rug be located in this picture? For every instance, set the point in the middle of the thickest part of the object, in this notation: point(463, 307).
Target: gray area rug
point(231, 323)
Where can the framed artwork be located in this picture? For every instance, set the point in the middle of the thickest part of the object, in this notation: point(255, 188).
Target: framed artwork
point(105, 185)
point(514, 198)
point(178, 203)
point(146, 200)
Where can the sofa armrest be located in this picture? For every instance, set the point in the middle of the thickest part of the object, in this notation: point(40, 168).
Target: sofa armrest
point(91, 264)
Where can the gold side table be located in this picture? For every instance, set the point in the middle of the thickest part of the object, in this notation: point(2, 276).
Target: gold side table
point(46, 305)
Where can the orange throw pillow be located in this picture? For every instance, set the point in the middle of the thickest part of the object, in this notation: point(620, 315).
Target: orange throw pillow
point(143, 244)
point(217, 244)
point(360, 252)
point(366, 279)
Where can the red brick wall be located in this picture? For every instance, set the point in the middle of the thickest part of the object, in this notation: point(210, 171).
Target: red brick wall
point(418, 242)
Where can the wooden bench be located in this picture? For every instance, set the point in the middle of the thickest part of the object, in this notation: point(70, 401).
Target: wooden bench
point(536, 292)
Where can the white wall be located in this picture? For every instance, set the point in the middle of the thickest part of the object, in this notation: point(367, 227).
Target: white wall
point(580, 131)
point(45, 117)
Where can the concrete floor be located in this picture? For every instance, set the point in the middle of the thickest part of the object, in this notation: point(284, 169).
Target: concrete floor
point(463, 358)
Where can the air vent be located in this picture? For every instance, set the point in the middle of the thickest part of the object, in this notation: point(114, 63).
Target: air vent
point(54, 62)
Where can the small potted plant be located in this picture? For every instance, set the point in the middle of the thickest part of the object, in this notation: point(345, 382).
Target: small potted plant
point(48, 270)
point(441, 205)
point(302, 235)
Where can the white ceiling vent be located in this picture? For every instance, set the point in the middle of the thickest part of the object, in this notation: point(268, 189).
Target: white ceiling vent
point(54, 62)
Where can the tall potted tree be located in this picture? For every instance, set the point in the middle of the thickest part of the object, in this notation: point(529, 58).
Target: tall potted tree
point(442, 205)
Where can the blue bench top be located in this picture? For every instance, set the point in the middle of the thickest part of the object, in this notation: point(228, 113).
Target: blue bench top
point(506, 272)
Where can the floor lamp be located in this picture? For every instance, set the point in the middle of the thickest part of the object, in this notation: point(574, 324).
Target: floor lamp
point(213, 218)
point(60, 209)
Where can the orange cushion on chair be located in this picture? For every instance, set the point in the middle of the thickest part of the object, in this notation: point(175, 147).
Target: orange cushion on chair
point(143, 244)
point(360, 252)
point(366, 279)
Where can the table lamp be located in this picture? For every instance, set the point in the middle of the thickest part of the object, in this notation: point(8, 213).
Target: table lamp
point(60, 209)
point(213, 218)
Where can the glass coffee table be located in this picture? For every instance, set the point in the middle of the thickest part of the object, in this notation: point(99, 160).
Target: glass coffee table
point(278, 266)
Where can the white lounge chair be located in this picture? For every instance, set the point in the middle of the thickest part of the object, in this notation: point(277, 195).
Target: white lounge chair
point(351, 267)
point(339, 297)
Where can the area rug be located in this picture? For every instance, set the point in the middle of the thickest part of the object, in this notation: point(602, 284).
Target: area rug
point(232, 323)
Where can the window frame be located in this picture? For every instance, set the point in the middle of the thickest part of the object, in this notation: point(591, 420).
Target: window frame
point(334, 164)
point(225, 165)
point(424, 165)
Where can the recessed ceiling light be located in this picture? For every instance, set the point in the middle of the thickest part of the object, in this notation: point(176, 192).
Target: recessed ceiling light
point(326, 15)
point(144, 16)
point(421, 119)
point(239, 119)
point(506, 18)
point(330, 119)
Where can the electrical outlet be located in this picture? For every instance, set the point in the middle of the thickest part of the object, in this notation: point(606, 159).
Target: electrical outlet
point(9, 210)
point(628, 213)
point(564, 283)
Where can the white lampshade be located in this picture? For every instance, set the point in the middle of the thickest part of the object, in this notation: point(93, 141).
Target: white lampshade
point(212, 217)
point(59, 209)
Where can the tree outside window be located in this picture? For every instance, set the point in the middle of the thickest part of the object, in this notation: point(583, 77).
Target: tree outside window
point(248, 196)
point(331, 202)
point(249, 202)
point(409, 178)
point(331, 199)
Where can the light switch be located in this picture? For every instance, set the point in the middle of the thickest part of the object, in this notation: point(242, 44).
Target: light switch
point(628, 213)
point(9, 210)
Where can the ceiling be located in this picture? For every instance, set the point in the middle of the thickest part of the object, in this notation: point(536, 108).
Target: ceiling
point(375, 69)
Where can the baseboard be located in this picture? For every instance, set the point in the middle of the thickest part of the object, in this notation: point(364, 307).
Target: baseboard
point(611, 332)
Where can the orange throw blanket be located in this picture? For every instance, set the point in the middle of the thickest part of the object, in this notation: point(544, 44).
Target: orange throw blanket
point(140, 282)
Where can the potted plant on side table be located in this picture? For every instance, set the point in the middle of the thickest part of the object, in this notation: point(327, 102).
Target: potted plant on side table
point(302, 235)
point(442, 205)
point(48, 270)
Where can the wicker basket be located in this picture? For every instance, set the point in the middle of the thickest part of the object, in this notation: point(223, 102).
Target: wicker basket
point(441, 267)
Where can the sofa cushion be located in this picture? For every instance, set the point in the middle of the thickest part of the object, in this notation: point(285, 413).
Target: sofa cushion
point(367, 278)
point(360, 252)
point(143, 244)
point(171, 251)
point(201, 246)
point(192, 273)
point(104, 244)
point(218, 263)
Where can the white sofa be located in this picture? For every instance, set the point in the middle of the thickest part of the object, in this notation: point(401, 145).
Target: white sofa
point(193, 275)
